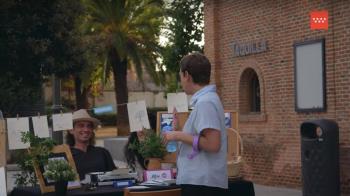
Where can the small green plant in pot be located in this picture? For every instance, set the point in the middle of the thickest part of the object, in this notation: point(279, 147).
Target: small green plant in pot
point(61, 172)
point(151, 148)
point(38, 153)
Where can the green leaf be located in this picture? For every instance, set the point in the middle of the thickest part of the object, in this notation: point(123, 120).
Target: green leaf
point(38, 153)
point(152, 146)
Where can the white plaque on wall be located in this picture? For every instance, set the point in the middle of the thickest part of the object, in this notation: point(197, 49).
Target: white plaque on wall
point(309, 76)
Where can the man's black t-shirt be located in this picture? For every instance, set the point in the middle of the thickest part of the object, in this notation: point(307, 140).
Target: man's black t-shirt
point(95, 159)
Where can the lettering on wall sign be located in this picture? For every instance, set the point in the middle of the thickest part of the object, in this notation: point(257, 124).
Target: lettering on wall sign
point(246, 48)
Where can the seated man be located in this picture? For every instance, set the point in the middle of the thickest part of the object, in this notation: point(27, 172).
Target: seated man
point(81, 139)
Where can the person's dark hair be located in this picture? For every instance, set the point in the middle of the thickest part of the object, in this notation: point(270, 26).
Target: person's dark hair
point(198, 66)
point(152, 116)
point(132, 155)
point(71, 141)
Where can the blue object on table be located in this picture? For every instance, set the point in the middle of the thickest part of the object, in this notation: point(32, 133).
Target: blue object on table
point(123, 183)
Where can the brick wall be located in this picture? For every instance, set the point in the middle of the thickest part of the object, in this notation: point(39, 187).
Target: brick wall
point(272, 138)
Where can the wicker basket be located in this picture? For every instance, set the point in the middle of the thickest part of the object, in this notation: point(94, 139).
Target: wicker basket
point(235, 160)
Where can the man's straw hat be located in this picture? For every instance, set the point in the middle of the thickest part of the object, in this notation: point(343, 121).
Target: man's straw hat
point(83, 115)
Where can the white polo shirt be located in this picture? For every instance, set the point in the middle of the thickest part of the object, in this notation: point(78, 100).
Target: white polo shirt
point(208, 169)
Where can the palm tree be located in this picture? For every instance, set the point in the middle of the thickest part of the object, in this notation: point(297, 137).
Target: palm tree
point(128, 32)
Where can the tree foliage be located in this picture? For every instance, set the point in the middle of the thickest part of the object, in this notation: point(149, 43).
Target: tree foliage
point(127, 33)
point(22, 47)
point(37, 38)
point(184, 32)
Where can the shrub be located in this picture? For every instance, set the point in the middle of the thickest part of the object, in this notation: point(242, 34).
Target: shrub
point(59, 170)
point(151, 147)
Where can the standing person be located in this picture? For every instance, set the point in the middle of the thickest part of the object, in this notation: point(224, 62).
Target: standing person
point(81, 140)
point(201, 161)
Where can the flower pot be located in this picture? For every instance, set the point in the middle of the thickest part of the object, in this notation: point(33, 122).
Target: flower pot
point(61, 188)
point(153, 164)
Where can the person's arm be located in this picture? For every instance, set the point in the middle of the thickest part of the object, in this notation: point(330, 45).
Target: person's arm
point(109, 161)
point(209, 139)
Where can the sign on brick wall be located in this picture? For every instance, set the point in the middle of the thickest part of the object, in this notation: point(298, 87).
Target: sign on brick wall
point(319, 20)
point(246, 48)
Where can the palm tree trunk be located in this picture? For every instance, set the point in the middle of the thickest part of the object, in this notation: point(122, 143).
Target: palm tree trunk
point(81, 98)
point(119, 67)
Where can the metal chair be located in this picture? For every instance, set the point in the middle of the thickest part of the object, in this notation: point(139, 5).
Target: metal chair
point(166, 192)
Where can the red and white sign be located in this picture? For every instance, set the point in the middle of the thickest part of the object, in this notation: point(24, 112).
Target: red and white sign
point(319, 20)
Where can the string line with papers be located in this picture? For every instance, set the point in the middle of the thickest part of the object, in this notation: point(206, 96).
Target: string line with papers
point(137, 113)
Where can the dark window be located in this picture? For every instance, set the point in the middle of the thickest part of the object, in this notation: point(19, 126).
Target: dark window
point(249, 92)
point(255, 94)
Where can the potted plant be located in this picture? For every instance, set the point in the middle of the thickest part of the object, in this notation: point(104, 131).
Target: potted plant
point(151, 148)
point(37, 154)
point(61, 172)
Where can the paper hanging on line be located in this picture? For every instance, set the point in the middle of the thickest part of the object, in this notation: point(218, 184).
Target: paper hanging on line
point(15, 127)
point(177, 100)
point(41, 128)
point(62, 121)
point(138, 117)
point(3, 188)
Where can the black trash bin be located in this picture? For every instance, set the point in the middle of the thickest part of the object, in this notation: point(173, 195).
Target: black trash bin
point(320, 158)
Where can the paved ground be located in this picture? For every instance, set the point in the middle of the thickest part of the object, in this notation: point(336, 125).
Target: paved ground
point(261, 190)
